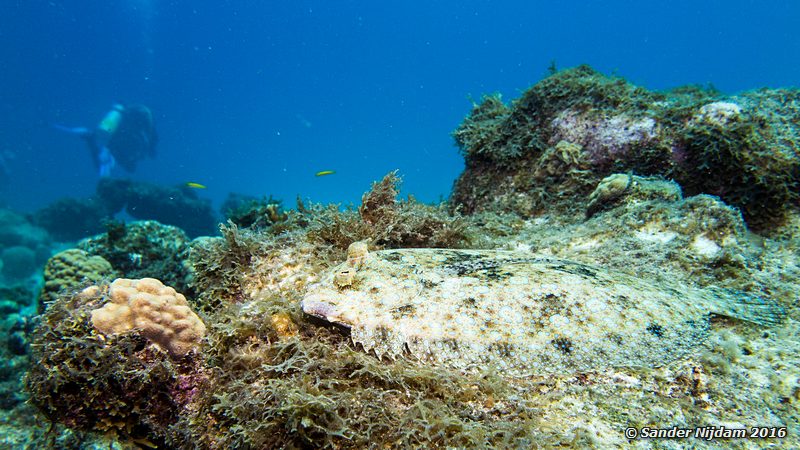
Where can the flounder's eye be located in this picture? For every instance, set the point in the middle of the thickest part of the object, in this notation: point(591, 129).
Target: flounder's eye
point(344, 277)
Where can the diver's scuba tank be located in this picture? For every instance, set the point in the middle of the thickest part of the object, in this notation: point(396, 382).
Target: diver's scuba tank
point(104, 157)
point(111, 121)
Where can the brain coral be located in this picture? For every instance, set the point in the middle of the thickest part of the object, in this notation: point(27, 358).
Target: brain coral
point(158, 312)
point(72, 269)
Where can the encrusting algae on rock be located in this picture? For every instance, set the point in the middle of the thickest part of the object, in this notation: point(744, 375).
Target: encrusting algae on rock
point(519, 311)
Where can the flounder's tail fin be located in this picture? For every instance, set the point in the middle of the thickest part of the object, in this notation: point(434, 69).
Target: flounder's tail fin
point(748, 307)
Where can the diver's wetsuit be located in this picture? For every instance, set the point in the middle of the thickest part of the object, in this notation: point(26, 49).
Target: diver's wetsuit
point(126, 135)
point(135, 137)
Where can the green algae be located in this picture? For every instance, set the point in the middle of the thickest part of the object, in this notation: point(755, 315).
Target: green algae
point(218, 265)
point(479, 136)
point(755, 153)
point(388, 222)
point(501, 134)
point(318, 390)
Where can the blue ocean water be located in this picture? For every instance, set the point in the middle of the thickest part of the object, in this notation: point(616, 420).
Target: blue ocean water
point(255, 97)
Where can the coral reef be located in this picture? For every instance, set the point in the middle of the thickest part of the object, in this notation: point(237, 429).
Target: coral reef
point(546, 150)
point(18, 230)
point(120, 386)
point(178, 206)
point(155, 311)
point(269, 376)
point(24, 247)
point(15, 298)
point(273, 379)
point(15, 328)
point(582, 167)
point(144, 249)
point(69, 219)
point(19, 262)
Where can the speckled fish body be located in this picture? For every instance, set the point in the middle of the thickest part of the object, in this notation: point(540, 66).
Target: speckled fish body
point(518, 312)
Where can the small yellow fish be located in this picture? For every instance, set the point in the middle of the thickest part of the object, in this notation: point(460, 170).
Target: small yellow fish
point(324, 172)
point(194, 185)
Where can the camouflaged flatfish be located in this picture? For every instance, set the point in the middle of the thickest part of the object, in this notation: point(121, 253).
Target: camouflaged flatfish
point(517, 311)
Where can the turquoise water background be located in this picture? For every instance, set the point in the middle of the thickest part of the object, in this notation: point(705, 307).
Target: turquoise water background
point(256, 96)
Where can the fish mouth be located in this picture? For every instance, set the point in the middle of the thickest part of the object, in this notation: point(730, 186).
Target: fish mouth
point(313, 306)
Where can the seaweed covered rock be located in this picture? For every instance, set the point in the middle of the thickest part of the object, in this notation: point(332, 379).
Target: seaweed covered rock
point(156, 311)
point(744, 149)
point(118, 386)
point(247, 263)
point(70, 271)
point(547, 150)
point(246, 211)
point(145, 249)
point(319, 393)
point(285, 382)
point(644, 225)
point(546, 114)
point(388, 222)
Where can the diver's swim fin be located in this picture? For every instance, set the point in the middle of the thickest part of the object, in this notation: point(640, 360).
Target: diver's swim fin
point(79, 131)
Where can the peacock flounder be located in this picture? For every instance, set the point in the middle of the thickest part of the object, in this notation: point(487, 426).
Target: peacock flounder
point(518, 312)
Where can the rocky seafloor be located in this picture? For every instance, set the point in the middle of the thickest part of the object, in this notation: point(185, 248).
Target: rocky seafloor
point(689, 186)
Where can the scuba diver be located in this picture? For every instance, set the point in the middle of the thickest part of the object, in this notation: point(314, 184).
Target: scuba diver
point(125, 136)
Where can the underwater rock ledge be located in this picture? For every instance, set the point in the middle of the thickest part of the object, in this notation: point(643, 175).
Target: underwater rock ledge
point(546, 150)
